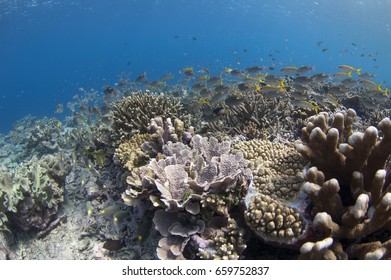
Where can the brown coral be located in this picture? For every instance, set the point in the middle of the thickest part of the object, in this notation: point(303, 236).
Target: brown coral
point(348, 187)
point(272, 202)
point(133, 113)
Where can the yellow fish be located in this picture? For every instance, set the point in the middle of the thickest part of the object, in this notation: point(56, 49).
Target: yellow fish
point(347, 69)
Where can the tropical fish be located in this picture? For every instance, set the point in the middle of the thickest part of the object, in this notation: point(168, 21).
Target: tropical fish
point(141, 77)
point(304, 70)
point(254, 69)
point(111, 210)
point(370, 84)
point(347, 69)
point(303, 104)
point(220, 111)
point(188, 71)
point(59, 108)
point(349, 82)
point(321, 77)
point(234, 101)
point(202, 78)
point(289, 70)
point(167, 76)
point(302, 80)
point(342, 75)
point(215, 80)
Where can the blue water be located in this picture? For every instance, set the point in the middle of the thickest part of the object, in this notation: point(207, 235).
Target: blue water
point(50, 49)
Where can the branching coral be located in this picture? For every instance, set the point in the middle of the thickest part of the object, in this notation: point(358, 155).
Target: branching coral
point(348, 185)
point(132, 114)
point(256, 117)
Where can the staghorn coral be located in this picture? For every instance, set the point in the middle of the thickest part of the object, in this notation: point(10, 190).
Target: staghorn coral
point(256, 117)
point(273, 201)
point(133, 113)
point(31, 195)
point(348, 185)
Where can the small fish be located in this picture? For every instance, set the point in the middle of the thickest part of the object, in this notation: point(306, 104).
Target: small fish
point(342, 75)
point(302, 80)
point(215, 80)
point(349, 82)
point(319, 44)
point(111, 210)
point(243, 87)
point(120, 216)
point(321, 77)
point(113, 245)
point(273, 79)
point(204, 92)
point(289, 70)
point(220, 111)
point(380, 95)
point(198, 86)
point(304, 70)
point(218, 98)
point(303, 104)
point(59, 108)
point(141, 77)
point(254, 69)
point(369, 84)
point(347, 69)
point(367, 76)
point(167, 76)
point(325, 50)
point(202, 78)
point(234, 101)
point(188, 71)
point(235, 73)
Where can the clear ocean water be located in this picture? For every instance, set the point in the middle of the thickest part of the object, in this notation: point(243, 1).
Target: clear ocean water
point(50, 49)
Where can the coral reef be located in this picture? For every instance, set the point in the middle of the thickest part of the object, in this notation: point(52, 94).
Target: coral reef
point(348, 184)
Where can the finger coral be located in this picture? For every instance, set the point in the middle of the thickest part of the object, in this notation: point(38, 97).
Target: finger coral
point(348, 184)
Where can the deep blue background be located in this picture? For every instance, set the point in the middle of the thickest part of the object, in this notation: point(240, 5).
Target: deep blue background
point(49, 49)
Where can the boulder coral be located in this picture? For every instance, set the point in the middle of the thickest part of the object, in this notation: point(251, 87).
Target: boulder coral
point(274, 206)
